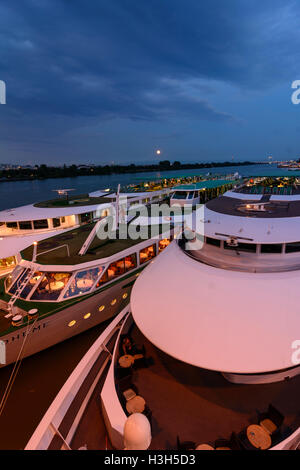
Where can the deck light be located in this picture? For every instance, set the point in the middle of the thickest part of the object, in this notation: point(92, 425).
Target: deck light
point(125, 295)
point(86, 316)
point(72, 323)
point(101, 308)
point(34, 254)
point(113, 302)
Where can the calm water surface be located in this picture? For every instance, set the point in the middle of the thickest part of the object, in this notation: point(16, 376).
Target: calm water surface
point(41, 376)
point(18, 193)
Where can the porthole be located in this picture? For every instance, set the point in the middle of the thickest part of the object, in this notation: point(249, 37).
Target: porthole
point(101, 308)
point(86, 316)
point(72, 323)
point(113, 302)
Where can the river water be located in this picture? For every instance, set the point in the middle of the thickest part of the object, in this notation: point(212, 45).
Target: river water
point(41, 376)
point(19, 193)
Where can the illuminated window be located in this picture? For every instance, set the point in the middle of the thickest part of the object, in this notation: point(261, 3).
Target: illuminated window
point(7, 262)
point(163, 244)
point(118, 268)
point(147, 253)
point(51, 286)
point(113, 302)
point(82, 282)
point(101, 308)
point(31, 283)
point(72, 323)
point(87, 316)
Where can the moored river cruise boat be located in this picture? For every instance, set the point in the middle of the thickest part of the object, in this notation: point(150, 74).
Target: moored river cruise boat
point(207, 352)
point(21, 226)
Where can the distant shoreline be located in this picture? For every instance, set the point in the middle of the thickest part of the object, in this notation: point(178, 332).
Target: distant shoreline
point(43, 172)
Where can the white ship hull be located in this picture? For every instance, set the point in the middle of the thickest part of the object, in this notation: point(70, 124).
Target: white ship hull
point(54, 328)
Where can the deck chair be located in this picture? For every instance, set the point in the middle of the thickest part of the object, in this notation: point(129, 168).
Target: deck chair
point(185, 445)
point(232, 443)
point(271, 420)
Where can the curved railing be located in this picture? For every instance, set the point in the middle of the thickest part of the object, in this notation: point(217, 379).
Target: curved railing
point(56, 429)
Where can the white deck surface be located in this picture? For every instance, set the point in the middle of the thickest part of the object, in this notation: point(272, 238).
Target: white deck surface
point(218, 319)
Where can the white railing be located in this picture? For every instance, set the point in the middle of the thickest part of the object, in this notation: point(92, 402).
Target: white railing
point(113, 413)
point(54, 416)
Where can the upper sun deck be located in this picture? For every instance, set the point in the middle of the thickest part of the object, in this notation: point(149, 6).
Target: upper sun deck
point(63, 249)
point(264, 198)
point(265, 207)
point(77, 201)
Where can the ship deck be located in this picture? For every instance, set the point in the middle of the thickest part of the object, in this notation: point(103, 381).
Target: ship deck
point(75, 201)
point(99, 248)
point(274, 208)
point(191, 403)
point(201, 406)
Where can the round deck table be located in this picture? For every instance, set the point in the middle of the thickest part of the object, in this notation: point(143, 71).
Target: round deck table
point(136, 405)
point(204, 447)
point(126, 361)
point(84, 283)
point(55, 285)
point(258, 437)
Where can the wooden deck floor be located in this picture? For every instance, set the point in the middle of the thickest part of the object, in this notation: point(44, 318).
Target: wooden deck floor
point(201, 406)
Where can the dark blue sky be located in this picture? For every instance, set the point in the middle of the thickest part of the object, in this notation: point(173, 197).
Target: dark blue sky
point(112, 80)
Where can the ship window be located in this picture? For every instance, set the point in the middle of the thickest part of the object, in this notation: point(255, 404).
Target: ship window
point(179, 195)
point(271, 248)
point(248, 247)
point(25, 225)
point(292, 247)
point(83, 282)
point(18, 281)
point(30, 284)
point(13, 276)
point(7, 262)
point(56, 223)
point(86, 218)
point(130, 262)
point(213, 241)
point(39, 224)
point(147, 253)
point(118, 268)
point(11, 225)
point(51, 286)
point(163, 244)
point(190, 195)
point(63, 219)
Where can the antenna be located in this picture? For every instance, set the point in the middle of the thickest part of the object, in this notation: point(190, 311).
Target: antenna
point(117, 207)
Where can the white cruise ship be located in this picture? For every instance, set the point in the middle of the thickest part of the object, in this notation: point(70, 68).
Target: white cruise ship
point(206, 356)
point(21, 226)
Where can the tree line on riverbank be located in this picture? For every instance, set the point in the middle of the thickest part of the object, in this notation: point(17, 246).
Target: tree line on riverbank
point(44, 171)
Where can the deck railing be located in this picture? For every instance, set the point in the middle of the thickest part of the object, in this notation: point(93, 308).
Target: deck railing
point(55, 431)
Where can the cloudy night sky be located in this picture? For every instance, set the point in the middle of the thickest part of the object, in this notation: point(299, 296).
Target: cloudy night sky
point(104, 81)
